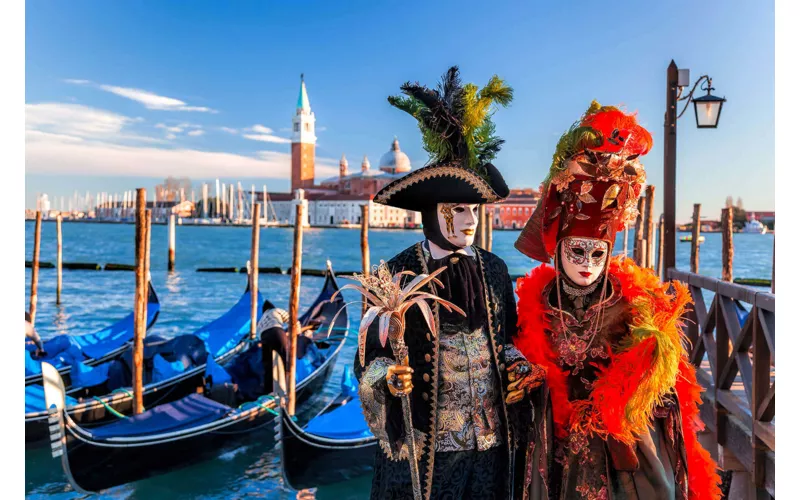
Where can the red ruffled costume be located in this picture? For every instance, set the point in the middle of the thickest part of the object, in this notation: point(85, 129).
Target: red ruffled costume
point(618, 414)
point(628, 388)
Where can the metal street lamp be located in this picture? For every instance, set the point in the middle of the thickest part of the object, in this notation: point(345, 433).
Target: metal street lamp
point(707, 110)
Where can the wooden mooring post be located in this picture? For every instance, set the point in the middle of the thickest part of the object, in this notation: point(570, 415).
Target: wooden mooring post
point(648, 225)
point(660, 261)
point(481, 239)
point(364, 247)
point(638, 250)
point(37, 240)
point(695, 255)
point(294, 302)
point(140, 300)
point(489, 230)
point(171, 256)
point(58, 259)
point(254, 242)
point(727, 244)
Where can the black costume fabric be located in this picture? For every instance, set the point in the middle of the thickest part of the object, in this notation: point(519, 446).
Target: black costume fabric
point(432, 230)
point(477, 475)
point(463, 287)
point(423, 352)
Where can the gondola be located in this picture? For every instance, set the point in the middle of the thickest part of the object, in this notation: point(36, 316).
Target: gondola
point(195, 427)
point(172, 369)
point(90, 348)
point(334, 446)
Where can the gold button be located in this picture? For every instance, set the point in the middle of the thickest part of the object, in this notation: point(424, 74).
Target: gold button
point(454, 260)
point(426, 377)
point(428, 336)
point(428, 358)
point(502, 367)
point(425, 396)
point(500, 348)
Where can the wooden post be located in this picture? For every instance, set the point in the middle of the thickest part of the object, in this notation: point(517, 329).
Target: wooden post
point(695, 256)
point(638, 254)
point(140, 301)
point(254, 242)
point(365, 246)
point(58, 259)
point(294, 302)
point(489, 229)
point(481, 239)
point(660, 263)
point(171, 256)
point(37, 239)
point(625, 242)
point(670, 148)
point(649, 228)
point(727, 244)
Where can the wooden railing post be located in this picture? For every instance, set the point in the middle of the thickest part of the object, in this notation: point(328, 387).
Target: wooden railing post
point(365, 246)
point(695, 256)
point(254, 242)
point(140, 301)
point(37, 240)
point(727, 244)
point(294, 302)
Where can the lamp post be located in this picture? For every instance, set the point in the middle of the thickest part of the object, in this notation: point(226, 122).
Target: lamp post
point(707, 111)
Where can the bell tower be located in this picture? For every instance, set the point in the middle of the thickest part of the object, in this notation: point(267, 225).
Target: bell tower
point(303, 141)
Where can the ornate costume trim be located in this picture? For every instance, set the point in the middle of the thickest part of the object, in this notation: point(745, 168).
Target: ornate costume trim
point(649, 365)
point(433, 171)
point(373, 393)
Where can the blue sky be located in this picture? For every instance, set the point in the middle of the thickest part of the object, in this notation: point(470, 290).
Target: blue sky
point(121, 94)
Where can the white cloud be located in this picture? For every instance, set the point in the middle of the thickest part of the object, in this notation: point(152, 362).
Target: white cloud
point(267, 138)
point(196, 133)
point(172, 130)
point(149, 99)
point(70, 139)
point(229, 130)
point(171, 136)
point(261, 129)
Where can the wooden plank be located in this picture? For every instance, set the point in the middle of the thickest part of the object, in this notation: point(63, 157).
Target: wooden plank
point(734, 404)
point(740, 361)
point(738, 292)
point(765, 301)
point(767, 321)
point(37, 240)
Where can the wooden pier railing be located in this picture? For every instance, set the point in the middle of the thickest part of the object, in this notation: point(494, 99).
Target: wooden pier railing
point(735, 363)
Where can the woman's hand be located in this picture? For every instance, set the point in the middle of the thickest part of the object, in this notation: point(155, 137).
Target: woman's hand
point(523, 377)
point(398, 378)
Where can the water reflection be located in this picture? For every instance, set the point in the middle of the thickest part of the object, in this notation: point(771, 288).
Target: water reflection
point(61, 320)
point(174, 282)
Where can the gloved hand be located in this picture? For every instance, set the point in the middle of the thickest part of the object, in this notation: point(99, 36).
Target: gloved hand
point(523, 377)
point(398, 378)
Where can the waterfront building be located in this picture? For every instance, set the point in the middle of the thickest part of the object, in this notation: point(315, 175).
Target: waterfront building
point(514, 211)
point(336, 200)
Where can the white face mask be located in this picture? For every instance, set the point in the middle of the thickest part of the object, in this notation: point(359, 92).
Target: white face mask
point(583, 259)
point(458, 222)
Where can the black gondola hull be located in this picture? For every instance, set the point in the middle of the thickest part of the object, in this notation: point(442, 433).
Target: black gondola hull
point(311, 461)
point(95, 468)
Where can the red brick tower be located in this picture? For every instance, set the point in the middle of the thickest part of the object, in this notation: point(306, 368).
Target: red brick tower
point(303, 142)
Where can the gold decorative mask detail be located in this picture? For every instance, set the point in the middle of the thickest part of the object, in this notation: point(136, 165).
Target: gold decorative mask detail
point(447, 213)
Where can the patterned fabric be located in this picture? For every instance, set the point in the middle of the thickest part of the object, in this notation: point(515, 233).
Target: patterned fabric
point(457, 475)
point(423, 355)
point(468, 398)
point(272, 318)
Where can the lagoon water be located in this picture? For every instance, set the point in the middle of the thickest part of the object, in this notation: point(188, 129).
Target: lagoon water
point(93, 299)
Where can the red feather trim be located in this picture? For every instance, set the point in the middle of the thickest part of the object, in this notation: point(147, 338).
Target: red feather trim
point(617, 382)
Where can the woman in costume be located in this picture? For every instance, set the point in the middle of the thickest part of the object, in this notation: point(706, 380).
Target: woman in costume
point(466, 379)
point(618, 414)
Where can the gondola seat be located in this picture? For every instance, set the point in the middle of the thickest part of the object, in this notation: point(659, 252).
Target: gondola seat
point(345, 422)
point(34, 399)
point(190, 412)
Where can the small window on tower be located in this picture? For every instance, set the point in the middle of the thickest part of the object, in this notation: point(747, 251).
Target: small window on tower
point(297, 127)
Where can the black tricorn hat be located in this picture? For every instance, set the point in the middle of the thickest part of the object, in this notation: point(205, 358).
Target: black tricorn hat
point(449, 183)
point(458, 132)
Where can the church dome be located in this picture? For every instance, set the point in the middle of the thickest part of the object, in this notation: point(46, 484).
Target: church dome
point(395, 161)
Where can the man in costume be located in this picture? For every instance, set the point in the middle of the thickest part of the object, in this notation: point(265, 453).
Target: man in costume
point(617, 415)
point(466, 379)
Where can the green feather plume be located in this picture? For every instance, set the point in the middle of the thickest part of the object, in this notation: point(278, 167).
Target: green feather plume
point(455, 120)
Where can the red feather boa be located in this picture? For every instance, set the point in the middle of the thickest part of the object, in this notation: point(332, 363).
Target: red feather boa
point(628, 370)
